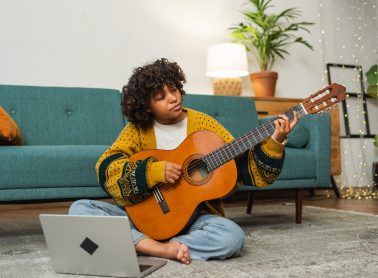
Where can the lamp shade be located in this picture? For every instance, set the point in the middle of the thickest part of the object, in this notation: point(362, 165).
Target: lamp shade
point(227, 60)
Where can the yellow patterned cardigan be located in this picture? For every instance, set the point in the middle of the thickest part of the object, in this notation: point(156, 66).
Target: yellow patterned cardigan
point(129, 182)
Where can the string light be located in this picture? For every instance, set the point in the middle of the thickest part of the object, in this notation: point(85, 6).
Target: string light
point(361, 186)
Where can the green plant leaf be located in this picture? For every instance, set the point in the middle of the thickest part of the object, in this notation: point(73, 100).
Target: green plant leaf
point(268, 35)
point(289, 13)
point(302, 41)
point(372, 91)
point(372, 75)
point(376, 140)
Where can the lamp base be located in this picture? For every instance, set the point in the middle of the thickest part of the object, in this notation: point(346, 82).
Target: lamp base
point(227, 86)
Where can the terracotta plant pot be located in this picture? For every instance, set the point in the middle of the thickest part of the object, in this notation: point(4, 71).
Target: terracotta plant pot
point(264, 83)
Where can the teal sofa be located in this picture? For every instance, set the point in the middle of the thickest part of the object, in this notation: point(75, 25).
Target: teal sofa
point(65, 131)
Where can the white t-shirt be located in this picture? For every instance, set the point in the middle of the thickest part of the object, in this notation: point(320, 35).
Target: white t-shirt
point(169, 137)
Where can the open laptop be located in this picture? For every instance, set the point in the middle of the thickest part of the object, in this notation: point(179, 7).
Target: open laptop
point(94, 245)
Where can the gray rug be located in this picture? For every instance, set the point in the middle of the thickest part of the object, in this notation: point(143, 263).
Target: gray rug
point(329, 243)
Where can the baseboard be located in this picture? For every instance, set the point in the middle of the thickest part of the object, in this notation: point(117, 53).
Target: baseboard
point(280, 194)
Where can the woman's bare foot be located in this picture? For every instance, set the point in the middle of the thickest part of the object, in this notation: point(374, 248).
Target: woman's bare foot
point(179, 252)
point(173, 250)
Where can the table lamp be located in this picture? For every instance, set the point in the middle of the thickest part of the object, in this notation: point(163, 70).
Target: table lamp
point(227, 62)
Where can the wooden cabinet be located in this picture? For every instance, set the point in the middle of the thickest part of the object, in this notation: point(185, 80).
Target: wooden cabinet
point(271, 106)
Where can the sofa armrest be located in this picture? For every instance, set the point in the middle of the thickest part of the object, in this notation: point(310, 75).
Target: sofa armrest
point(319, 142)
point(318, 128)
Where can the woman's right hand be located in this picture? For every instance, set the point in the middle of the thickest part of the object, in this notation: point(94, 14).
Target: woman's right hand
point(172, 172)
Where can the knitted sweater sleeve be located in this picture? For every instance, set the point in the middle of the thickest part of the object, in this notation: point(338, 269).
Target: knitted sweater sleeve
point(128, 181)
point(259, 166)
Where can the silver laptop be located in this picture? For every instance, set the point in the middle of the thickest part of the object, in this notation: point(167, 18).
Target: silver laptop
point(94, 245)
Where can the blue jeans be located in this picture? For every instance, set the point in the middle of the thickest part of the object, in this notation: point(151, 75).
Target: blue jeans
point(209, 237)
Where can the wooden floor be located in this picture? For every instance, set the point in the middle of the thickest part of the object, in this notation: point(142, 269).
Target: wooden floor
point(30, 211)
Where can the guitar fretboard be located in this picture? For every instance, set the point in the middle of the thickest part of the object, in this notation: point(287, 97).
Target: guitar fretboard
point(245, 142)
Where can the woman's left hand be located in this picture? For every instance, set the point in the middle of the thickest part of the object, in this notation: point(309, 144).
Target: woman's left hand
point(284, 126)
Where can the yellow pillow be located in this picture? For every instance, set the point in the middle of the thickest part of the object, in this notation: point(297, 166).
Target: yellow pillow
point(9, 132)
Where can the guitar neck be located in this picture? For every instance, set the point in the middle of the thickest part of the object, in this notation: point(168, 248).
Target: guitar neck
point(245, 142)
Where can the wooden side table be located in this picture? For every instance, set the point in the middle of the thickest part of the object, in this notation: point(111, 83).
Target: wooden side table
point(272, 106)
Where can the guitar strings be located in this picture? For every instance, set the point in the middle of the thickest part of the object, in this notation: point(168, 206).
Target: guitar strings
point(254, 133)
point(198, 164)
point(250, 134)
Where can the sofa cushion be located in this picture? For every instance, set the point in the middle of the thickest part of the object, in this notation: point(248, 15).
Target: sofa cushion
point(10, 134)
point(298, 137)
point(64, 116)
point(49, 166)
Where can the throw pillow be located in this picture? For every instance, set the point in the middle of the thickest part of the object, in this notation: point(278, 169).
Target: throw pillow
point(9, 132)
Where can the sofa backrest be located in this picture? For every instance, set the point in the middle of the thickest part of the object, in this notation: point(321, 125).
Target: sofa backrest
point(64, 116)
point(237, 114)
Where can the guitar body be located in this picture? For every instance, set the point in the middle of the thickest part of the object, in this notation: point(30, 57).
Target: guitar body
point(194, 187)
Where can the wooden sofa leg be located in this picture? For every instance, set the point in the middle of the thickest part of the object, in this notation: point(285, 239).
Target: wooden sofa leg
point(250, 202)
point(298, 205)
point(335, 188)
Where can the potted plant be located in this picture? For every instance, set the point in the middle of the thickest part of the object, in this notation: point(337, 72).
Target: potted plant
point(267, 37)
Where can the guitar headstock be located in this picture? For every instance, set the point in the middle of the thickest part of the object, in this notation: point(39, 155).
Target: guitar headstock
point(324, 99)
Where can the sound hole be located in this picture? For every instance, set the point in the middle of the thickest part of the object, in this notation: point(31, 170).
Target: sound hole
point(195, 171)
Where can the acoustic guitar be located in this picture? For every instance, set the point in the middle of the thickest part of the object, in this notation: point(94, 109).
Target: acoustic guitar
point(208, 170)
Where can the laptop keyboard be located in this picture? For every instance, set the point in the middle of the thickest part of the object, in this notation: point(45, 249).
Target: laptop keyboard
point(143, 267)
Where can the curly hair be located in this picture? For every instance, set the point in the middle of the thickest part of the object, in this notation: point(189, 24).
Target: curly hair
point(143, 84)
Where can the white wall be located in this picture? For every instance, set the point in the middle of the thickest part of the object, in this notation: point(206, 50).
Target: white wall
point(351, 37)
point(97, 43)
